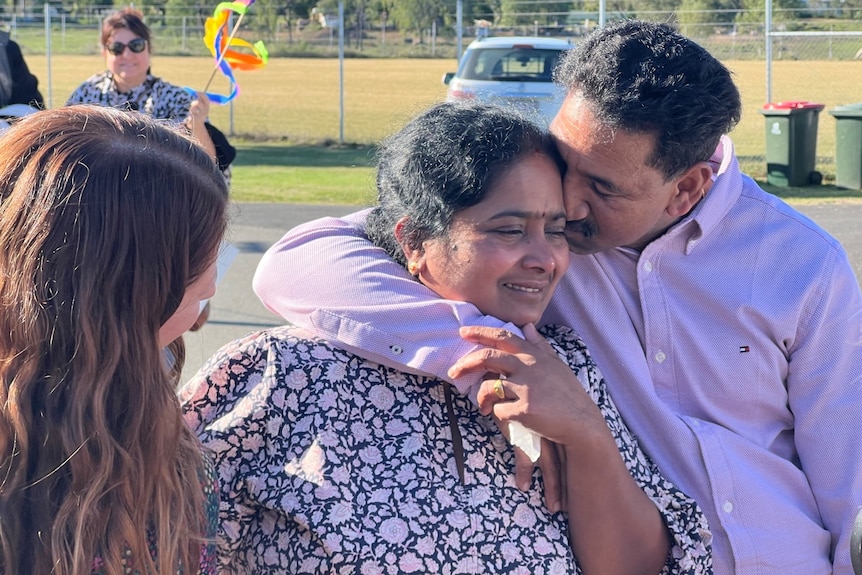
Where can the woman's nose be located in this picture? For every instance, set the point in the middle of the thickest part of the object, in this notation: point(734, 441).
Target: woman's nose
point(540, 255)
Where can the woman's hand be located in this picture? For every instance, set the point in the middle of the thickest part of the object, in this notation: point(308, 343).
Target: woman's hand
point(541, 392)
point(614, 527)
point(199, 109)
point(196, 122)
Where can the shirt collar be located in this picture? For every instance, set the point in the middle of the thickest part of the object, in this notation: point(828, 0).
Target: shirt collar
point(725, 191)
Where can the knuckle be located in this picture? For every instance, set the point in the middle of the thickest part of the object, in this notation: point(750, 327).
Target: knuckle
point(502, 334)
point(488, 353)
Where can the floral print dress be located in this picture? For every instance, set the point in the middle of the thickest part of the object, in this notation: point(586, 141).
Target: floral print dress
point(331, 463)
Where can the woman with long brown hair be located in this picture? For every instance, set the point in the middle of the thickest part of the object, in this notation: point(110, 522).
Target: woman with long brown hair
point(110, 224)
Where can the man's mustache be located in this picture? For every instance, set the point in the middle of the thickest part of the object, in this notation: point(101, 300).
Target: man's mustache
point(583, 227)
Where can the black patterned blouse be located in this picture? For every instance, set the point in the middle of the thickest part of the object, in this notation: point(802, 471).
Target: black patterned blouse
point(154, 97)
point(331, 463)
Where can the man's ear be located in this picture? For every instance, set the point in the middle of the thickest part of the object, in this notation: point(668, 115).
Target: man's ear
point(414, 254)
point(691, 187)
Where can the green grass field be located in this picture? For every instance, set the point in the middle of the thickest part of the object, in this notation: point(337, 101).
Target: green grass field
point(287, 127)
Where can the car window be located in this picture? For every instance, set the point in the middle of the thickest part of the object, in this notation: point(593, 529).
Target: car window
point(509, 64)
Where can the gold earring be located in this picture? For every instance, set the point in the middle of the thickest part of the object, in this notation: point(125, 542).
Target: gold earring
point(413, 268)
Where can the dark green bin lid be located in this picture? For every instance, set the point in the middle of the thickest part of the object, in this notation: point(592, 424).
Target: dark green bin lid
point(848, 111)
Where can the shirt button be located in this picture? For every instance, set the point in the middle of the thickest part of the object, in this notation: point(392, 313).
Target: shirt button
point(728, 506)
point(396, 349)
point(648, 266)
point(660, 357)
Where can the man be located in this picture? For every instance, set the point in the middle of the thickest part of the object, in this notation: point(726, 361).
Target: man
point(17, 84)
point(726, 323)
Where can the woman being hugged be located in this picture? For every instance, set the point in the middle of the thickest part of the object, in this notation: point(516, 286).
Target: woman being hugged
point(110, 225)
point(331, 462)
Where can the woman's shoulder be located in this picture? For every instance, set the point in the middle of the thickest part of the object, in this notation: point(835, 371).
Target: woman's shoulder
point(91, 89)
point(167, 101)
point(246, 371)
point(280, 339)
point(572, 350)
point(165, 88)
point(558, 332)
point(564, 338)
point(262, 354)
point(256, 351)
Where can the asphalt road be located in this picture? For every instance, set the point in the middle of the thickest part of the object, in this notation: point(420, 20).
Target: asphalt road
point(236, 311)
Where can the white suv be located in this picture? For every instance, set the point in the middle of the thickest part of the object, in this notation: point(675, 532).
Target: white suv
point(511, 71)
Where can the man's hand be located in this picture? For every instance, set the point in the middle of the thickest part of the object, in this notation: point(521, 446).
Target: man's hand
point(540, 391)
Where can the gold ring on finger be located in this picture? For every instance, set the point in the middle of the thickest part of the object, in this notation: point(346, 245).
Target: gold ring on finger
point(498, 389)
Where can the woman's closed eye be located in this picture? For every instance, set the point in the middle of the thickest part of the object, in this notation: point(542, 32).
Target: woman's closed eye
point(556, 231)
point(513, 232)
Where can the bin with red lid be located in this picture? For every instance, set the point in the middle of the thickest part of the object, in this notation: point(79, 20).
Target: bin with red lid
point(791, 143)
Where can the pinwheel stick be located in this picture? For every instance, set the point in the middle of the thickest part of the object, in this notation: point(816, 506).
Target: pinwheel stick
point(224, 51)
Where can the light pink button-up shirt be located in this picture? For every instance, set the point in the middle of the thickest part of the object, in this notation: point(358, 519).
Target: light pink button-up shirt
point(732, 345)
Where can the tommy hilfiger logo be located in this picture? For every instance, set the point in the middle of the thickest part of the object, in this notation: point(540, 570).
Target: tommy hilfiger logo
point(744, 349)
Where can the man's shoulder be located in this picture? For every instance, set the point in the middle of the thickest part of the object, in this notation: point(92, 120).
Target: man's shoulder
point(770, 215)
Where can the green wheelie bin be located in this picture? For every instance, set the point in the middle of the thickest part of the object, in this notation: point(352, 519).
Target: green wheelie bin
point(791, 143)
point(848, 146)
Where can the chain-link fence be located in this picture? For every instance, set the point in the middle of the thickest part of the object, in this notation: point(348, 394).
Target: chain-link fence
point(725, 33)
point(814, 58)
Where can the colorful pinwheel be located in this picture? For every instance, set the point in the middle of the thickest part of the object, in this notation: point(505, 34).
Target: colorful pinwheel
point(222, 45)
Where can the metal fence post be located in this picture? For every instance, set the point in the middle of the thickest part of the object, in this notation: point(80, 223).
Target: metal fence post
point(767, 29)
point(47, 13)
point(459, 28)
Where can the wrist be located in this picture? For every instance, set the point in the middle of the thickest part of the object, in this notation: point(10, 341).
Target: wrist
point(590, 439)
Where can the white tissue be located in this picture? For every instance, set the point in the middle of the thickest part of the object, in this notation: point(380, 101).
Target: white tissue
point(526, 440)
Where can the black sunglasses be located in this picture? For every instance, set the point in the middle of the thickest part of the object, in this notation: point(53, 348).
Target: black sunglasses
point(137, 46)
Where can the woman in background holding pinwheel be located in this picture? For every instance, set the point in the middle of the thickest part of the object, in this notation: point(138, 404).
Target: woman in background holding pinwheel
point(129, 84)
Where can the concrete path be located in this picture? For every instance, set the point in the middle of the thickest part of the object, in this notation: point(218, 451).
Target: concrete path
point(236, 311)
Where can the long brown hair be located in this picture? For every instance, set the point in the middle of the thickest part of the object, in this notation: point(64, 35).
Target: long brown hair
point(105, 218)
